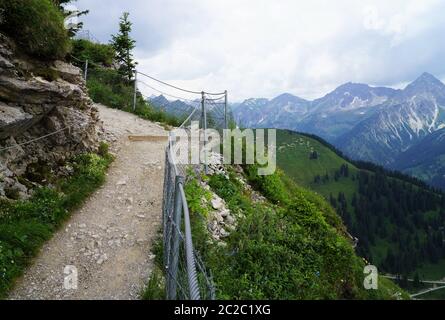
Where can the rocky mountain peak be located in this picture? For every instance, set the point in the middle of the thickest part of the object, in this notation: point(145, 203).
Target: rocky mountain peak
point(426, 83)
point(288, 98)
point(159, 100)
point(428, 77)
point(352, 86)
point(256, 102)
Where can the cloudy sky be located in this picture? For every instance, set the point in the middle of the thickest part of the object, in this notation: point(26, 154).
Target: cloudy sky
point(258, 48)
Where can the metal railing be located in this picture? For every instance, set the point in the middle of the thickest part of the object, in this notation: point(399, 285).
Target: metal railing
point(84, 34)
point(186, 276)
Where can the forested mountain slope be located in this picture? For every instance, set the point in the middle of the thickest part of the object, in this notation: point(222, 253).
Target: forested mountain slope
point(399, 220)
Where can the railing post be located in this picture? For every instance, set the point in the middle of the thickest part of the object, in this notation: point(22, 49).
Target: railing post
point(176, 224)
point(168, 214)
point(135, 89)
point(204, 127)
point(225, 111)
point(85, 75)
point(166, 208)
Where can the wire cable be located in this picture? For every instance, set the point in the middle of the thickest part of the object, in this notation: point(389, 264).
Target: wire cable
point(160, 81)
point(44, 136)
point(216, 99)
point(216, 109)
point(188, 118)
point(166, 94)
point(77, 59)
point(167, 84)
point(34, 140)
point(178, 88)
point(164, 105)
point(90, 63)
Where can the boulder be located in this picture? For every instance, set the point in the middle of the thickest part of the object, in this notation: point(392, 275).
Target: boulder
point(67, 71)
point(223, 233)
point(5, 64)
point(225, 213)
point(217, 203)
point(230, 220)
point(12, 120)
point(33, 91)
point(218, 217)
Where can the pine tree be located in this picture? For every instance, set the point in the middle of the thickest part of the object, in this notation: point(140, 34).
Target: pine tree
point(313, 155)
point(354, 200)
point(123, 44)
point(416, 280)
point(404, 282)
point(317, 179)
point(75, 27)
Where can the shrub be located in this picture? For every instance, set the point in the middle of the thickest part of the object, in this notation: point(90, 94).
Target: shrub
point(271, 186)
point(94, 52)
point(46, 73)
point(146, 111)
point(155, 289)
point(103, 149)
point(12, 193)
point(90, 174)
point(107, 86)
point(37, 26)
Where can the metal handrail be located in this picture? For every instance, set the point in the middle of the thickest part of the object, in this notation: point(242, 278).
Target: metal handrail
point(190, 255)
point(186, 275)
point(175, 214)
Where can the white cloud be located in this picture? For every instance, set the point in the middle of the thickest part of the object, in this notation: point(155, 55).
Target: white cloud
point(260, 48)
point(372, 19)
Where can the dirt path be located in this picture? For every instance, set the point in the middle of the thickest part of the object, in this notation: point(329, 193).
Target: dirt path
point(109, 239)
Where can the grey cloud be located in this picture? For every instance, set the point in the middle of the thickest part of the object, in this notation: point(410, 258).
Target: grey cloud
point(263, 48)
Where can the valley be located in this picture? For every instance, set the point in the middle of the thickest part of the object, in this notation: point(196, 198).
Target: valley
point(397, 233)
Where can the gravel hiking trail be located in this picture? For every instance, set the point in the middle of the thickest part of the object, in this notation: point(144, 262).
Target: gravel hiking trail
point(108, 240)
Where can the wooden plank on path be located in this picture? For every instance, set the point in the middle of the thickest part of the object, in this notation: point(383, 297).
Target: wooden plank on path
point(148, 138)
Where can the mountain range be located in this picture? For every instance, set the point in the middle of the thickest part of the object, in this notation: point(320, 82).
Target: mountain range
point(178, 108)
point(399, 129)
point(183, 108)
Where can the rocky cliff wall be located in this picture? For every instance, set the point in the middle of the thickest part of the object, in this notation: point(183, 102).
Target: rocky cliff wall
point(40, 99)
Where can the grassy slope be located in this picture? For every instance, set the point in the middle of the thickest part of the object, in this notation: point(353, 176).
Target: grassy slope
point(291, 247)
point(433, 271)
point(435, 295)
point(293, 159)
point(293, 146)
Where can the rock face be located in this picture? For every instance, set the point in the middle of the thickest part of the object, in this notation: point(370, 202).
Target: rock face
point(38, 99)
